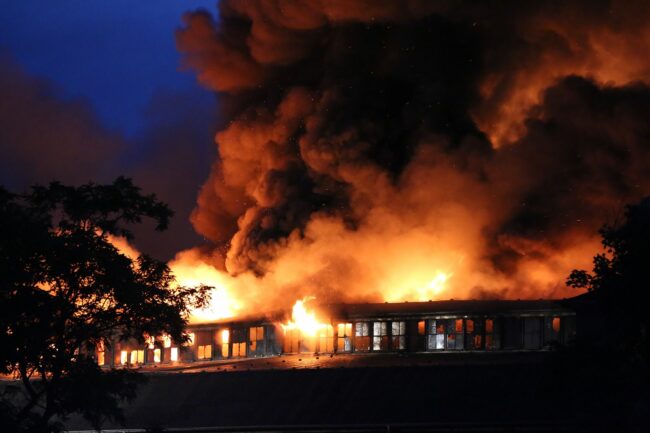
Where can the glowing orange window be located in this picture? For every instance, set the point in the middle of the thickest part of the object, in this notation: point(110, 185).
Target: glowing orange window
point(556, 324)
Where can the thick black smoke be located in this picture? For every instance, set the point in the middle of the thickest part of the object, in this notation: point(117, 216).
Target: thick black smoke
point(531, 118)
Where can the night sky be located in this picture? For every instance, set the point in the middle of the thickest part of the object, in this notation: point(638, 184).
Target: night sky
point(115, 65)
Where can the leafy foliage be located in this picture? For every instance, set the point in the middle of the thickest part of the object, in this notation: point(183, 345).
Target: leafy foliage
point(64, 289)
point(620, 280)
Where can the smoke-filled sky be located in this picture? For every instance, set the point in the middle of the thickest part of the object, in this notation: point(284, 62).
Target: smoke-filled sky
point(93, 89)
point(370, 149)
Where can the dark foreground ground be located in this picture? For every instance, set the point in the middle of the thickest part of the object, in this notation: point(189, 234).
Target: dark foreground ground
point(439, 392)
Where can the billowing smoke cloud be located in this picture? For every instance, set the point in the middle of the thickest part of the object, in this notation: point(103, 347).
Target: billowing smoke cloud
point(373, 146)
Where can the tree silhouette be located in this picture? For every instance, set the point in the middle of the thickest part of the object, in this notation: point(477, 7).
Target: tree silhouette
point(620, 281)
point(64, 289)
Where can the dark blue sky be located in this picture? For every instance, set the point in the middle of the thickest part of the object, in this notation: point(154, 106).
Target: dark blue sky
point(93, 89)
point(116, 53)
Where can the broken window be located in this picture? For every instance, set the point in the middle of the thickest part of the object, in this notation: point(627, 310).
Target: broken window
point(205, 351)
point(156, 355)
point(124, 357)
point(326, 339)
point(362, 336)
point(174, 354)
point(474, 330)
point(398, 333)
point(344, 339)
point(455, 338)
point(436, 335)
point(379, 336)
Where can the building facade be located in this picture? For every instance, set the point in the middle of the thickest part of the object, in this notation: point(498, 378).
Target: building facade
point(418, 327)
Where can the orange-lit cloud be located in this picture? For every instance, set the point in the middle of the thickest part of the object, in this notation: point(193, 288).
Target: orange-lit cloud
point(425, 151)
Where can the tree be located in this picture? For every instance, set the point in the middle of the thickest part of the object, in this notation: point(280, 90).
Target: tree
point(64, 289)
point(620, 281)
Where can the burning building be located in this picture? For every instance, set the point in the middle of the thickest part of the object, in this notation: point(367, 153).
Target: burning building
point(372, 153)
point(411, 327)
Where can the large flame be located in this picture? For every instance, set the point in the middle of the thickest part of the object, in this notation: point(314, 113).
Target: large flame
point(192, 273)
point(303, 319)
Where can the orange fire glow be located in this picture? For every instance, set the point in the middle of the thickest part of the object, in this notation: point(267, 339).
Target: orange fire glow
point(193, 273)
point(303, 319)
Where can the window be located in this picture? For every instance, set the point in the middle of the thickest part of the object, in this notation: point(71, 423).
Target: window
point(421, 327)
point(455, 337)
point(362, 336)
point(124, 357)
point(512, 331)
point(150, 340)
point(190, 339)
point(156, 355)
point(491, 334)
point(379, 336)
point(436, 335)
point(256, 340)
point(532, 332)
point(291, 341)
point(344, 339)
point(239, 350)
point(205, 352)
point(398, 332)
point(101, 354)
point(239, 343)
point(167, 341)
point(556, 324)
point(174, 354)
point(326, 339)
point(474, 334)
point(224, 339)
point(137, 357)
point(551, 330)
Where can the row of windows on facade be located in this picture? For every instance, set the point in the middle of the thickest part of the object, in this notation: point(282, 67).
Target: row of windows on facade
point(203, 351)
point(438, 334)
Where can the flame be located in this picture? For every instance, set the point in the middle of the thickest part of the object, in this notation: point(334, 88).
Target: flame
point(192, 273)
point(303, 319)
point(434, 288)
point(189, 271)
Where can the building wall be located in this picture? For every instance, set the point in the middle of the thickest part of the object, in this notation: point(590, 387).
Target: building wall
point(362, 334)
